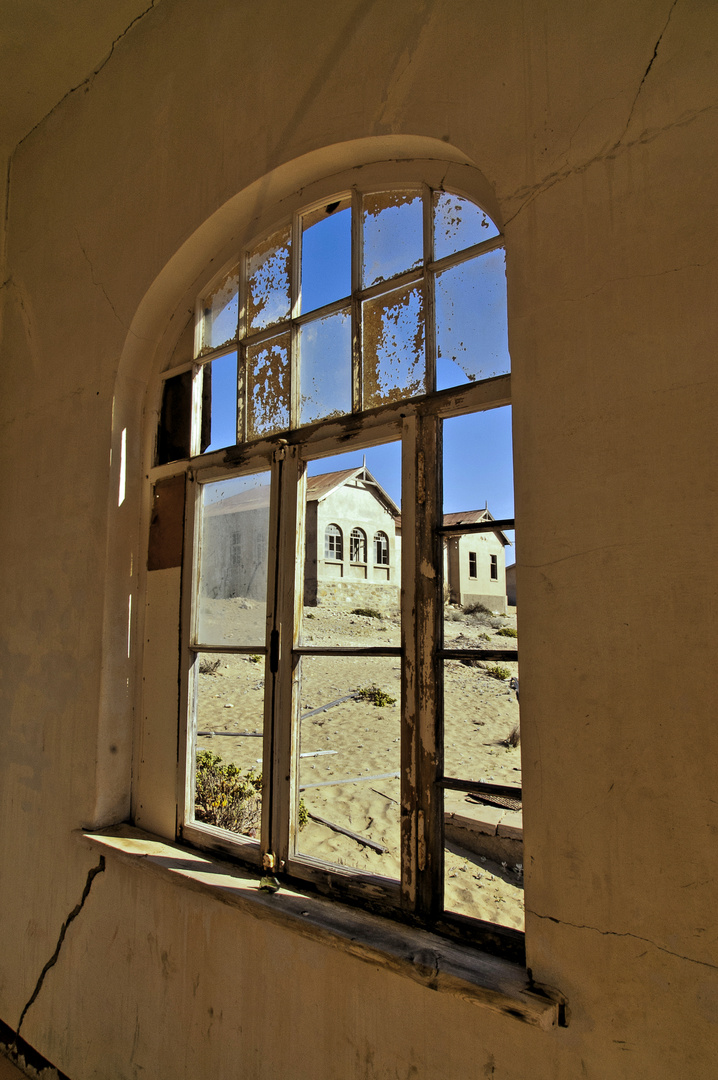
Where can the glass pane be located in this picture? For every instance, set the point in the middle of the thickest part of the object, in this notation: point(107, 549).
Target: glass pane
point(350, 761)
point(393, 345)
point(474, 564)
point(232, 590)
point(220, 378)
point(459, 224)
point(325, 372)
point(268, 288)
point(268, 387)
point(349, 601)
point(393, 234)
point(230, 720)
point(326, 255)
point(471, 326)
point(483, 860)
point(221, 312)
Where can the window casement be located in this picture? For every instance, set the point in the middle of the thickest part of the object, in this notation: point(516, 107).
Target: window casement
point(494, 567)
point(369, 326)
point(472, 564)
point(333, 543)
point(357, 546)
point(381, 549)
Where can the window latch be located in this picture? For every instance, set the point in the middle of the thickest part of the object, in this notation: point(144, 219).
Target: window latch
point(274, 652)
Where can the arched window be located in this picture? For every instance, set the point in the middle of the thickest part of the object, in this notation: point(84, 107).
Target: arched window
point(333, 543)
point(381, 549)
point(370, 319)
point(357, 546)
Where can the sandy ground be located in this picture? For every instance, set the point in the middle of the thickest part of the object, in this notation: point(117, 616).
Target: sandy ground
point(349, 775)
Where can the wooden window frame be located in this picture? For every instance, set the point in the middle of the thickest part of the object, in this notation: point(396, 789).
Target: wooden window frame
point(473, 565)
point(418, 896)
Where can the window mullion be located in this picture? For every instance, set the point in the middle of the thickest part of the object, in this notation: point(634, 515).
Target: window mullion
point(429, 306)
point(357, 259)
point(422, 853)
point(283, 699)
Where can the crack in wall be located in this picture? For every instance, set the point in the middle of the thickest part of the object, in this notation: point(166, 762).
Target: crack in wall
point(619, 146)
point(89, 79)
point(623, 934)
point(97, 282)
point(646, 72)
point(92, 874)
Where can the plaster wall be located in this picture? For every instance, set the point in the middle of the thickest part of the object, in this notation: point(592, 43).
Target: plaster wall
point(595, 127)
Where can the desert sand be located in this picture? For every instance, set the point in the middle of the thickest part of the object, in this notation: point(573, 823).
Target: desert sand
point(349, 774)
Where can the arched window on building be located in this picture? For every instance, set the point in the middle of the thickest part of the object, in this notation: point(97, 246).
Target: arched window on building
point(381, 549)
point(357, 546)
point(333, 543)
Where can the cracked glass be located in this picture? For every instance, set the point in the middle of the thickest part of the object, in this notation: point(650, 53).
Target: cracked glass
point(471, 321)
point(220, 312)
point(268, 387)
point(459, 224)
point(393, 228)
point(393, 346)
point(268, 281)
point(325, 367)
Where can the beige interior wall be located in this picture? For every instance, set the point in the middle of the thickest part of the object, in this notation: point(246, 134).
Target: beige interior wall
point(595, 126)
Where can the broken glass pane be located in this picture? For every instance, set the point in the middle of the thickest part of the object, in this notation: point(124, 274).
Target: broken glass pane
point(232, 587)
point(325, 351)
point(268, 288)
point(221, 374)
point(471, 326)
point(393, 234)
point(174, 429)
point(220, 310)
point(393, 340)
point(268, 386)
point(349, 762)
point(459, 224)
point(326, 255)
point(474, 584)
point(350, 601)
point(229, 725)
point(483, 860)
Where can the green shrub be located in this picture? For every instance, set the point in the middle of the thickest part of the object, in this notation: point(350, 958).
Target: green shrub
point(229, 799)
point(375, 695)
point(370, 612)
point(498, 671)
point(255, 658)
point(225, 797)
point(507, 632)
point(484, 637)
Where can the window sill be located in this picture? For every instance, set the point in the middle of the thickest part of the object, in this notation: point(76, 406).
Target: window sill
point(436, 963)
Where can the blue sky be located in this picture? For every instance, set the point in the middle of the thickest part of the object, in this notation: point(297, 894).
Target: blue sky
point(472, 339)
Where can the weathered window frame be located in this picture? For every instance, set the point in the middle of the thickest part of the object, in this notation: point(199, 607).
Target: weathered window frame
point(333, 543)
point(417, 422)
point(473, 565)
point(494, 567)
point(381, 549)
point(357, 546)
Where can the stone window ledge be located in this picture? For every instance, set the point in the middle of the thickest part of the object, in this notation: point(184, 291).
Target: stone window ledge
point(436, 963)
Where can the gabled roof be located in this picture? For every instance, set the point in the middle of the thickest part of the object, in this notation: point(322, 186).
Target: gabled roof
point(470, 517)
point(319, 487)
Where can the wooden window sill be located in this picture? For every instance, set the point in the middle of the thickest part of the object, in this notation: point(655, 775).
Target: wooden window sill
point(435, 962)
